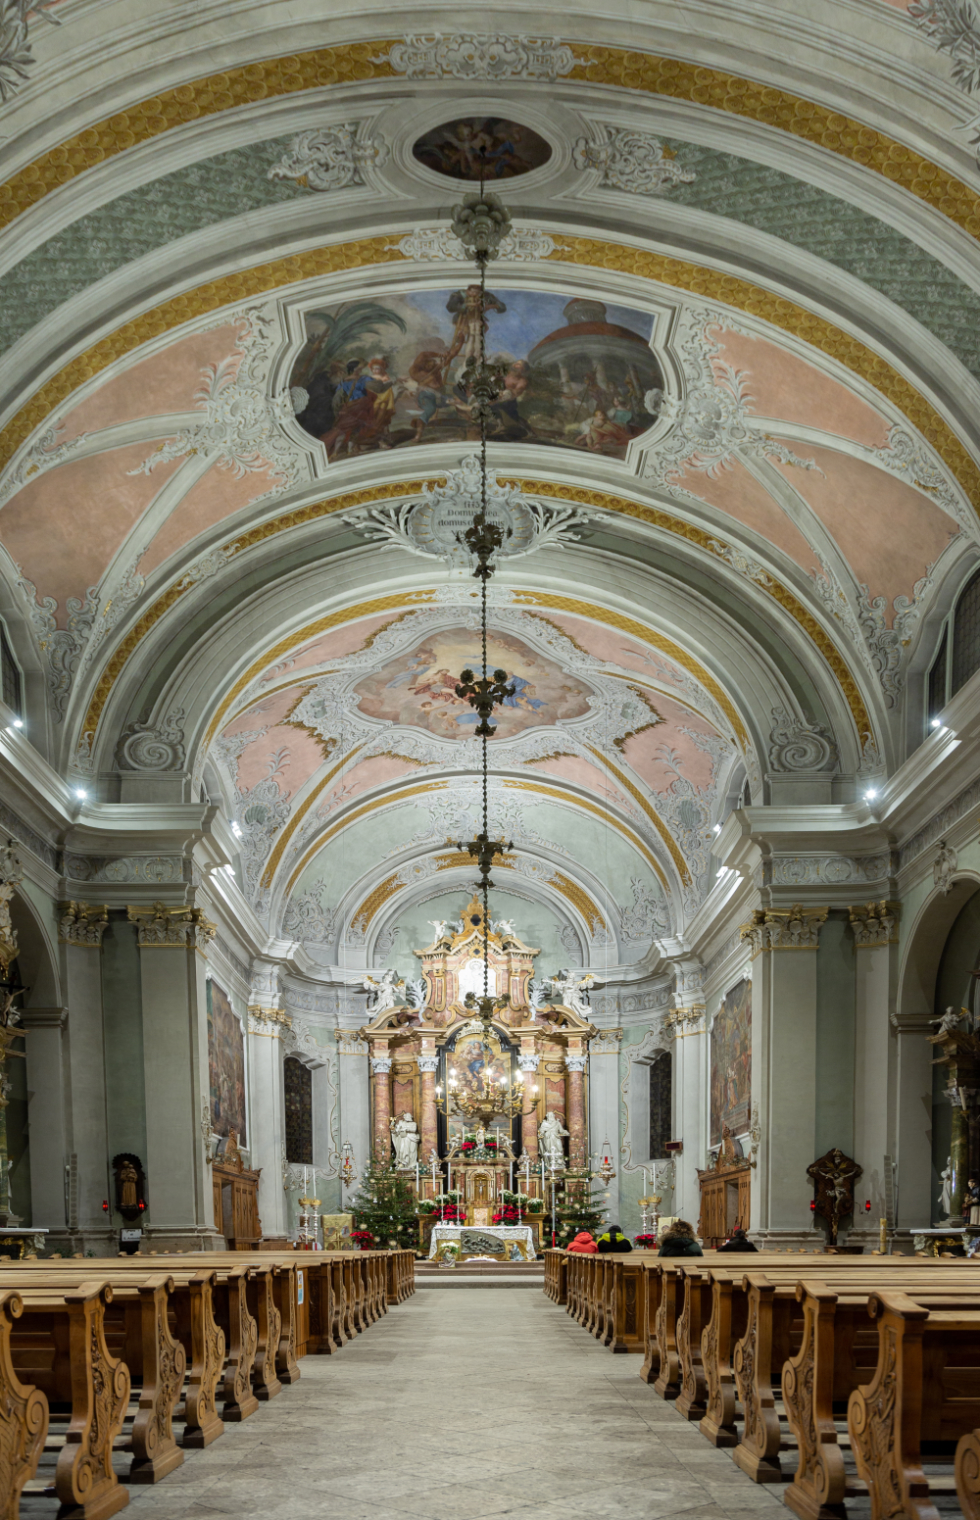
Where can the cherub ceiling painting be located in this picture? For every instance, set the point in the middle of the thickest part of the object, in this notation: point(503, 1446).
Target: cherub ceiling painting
point(419, 687)
point(380, 374)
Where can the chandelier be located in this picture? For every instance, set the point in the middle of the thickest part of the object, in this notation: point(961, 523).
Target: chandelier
point(496, 1098)
point(481, 222)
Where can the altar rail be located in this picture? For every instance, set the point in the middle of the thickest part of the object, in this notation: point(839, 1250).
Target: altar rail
point(765, 1352)
point(203, 1339)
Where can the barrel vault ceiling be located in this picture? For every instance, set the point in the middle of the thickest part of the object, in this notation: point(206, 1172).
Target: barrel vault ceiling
point(740, 319)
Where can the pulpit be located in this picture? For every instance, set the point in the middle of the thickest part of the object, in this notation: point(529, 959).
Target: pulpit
point(725, 1193)
point(236, 1198)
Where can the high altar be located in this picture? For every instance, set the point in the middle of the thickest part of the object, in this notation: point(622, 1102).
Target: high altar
point(434, 1061)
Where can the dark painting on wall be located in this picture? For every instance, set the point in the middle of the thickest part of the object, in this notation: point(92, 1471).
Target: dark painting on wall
point(498, 148)
point(731, 1062)
point(226, 1062)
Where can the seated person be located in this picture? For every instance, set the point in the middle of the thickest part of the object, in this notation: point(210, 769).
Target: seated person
point(583, 1244)
point(738, 1241)
point(679, 1240)
point(613, 1240)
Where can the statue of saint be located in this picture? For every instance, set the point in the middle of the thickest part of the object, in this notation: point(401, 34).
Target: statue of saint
point(128, 1181)
point(946, 1194)
point(405, 1139)
point(550, 1134)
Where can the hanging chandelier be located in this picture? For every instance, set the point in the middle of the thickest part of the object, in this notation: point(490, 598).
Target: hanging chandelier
point(481, 222)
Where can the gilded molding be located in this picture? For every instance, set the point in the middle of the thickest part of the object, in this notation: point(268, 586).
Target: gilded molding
point(647, 73)
point(605, 813)
point(375, 900)
point(163, 928)
point(83, 924)
point(795, 928)
point(272, 1023)
point(343, 823)
point(874, 924)
point(681, 1022)
point(579, 899)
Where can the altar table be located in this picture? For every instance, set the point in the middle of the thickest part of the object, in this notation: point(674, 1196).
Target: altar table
point(446, 1234)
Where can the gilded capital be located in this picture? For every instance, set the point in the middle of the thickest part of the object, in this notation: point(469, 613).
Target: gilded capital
point(874, 923)
point(163, 928)
point(83, 924)
point(795, 928)
point(272, 1022)
point(679, 1022)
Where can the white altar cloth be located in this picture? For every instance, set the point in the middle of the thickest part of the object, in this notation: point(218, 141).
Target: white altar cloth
point(444, 1234)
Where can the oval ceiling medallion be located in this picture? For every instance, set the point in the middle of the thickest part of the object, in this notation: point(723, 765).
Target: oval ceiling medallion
point(505, 148)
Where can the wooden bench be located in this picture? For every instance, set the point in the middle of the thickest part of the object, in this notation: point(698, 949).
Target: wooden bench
point(23, 1414)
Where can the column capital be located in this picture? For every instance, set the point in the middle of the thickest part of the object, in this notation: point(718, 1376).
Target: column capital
point(576, 1063)
point(679, 1022)
point(606, 1042)
point(83, 924)
point(795, 928)
point(163, 928)
point(427, 1063)
point(528, 1062)
point(874, 923)
point(272, 1022)
point(380, 1065)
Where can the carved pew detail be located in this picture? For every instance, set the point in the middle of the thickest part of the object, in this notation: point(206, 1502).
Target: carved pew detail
point(23, 1417)
point(652, 1288)
point(155, 1451)
point(718, 1424)
point(968, 1474)
point(884, 1417)
point(85, 1482)
point(817, 1492)
point(668, 1378)
point(691, 1400)
point(284, 1286)
point(265, 1383)
point(203, 1423)
point(239, 1400)
point(757, 1451)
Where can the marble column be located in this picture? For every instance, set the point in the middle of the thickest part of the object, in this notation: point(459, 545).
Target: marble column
point(80, 931)
point(381, 1075)
point(173, 980)
point(428, 1119)
point(577, 1136)
point(528, 1063)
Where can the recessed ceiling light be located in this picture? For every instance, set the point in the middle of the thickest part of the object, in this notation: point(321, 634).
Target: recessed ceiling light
point(17, 723)
point(936, 723)
point(81, 792)
point(871, 793)
point(716, 829)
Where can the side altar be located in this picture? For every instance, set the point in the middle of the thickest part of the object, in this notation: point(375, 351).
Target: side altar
point(481, 1108)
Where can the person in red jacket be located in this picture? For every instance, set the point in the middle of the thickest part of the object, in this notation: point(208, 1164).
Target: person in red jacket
point(584, 1244)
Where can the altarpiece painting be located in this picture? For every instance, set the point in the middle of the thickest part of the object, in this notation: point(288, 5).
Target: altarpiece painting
point(226, 1063)
point(731, 1062)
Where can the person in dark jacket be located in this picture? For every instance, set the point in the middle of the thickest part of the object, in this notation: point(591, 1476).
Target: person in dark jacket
point(679, 1240)
point(738, 1241)
point(613, 1240)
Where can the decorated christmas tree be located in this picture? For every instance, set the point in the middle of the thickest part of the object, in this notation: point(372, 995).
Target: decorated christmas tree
point(385, 1206)
point(579, 1207)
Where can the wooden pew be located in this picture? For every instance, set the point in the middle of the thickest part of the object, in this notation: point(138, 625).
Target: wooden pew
point(63, 1334)
point(23, 1415)
point(926, 1388)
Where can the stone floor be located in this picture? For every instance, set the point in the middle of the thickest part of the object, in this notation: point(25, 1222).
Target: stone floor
point(455, 1406)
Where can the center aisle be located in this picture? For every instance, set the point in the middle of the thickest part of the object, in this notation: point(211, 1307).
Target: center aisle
point(459, 1405)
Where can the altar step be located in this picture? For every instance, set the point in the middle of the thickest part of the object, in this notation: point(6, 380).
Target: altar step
point(488, 1274)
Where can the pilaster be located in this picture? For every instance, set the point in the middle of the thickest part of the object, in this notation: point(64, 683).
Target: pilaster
point(353, 1081)
point(913, 1117)
point(48, 1113)
point(173, 980)
point(875, 929)
point(82, 1048)
point(784, 1043)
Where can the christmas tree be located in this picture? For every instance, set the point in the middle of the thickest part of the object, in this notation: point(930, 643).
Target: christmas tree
point(385, 1206)
point(578, 1208)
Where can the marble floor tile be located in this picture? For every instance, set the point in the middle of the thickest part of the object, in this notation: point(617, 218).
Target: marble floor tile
point(484, 1405)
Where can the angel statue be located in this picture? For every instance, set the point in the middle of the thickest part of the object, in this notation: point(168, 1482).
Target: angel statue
point(950, 1021)
point(573, 992)
point(551, 1131)
point(405, 1139)
point(441, 926)
point(536, 995)
point(385, 992)
point(502, 926)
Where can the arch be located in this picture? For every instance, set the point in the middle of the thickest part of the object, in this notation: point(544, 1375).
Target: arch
point(926, 942)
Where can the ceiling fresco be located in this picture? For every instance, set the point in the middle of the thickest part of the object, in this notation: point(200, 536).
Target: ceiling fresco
point(385, 373)
point(738, 324)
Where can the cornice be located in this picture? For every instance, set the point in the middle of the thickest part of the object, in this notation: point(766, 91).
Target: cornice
point(616, 67)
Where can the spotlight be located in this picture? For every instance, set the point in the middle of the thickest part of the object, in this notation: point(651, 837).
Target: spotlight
point(17, 723)
point(871, 793)
point(716, 829)
point(81, 793)
point(237, 830)
point(936, 723)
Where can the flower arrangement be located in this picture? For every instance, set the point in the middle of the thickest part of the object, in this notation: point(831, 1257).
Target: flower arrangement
point(646, 1242)
point(363, 1239)
point(451, 1213)
point(509, 1214)
point(468, 1145)
point(426, 1206)
point(519, 1200)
